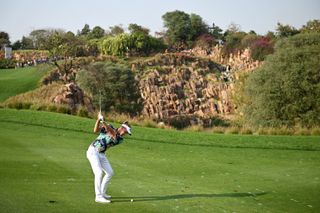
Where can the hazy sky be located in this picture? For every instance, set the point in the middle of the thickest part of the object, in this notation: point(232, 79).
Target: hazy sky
point(20, 17)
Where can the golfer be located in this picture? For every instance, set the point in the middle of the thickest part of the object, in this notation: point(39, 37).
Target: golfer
point(100, 165)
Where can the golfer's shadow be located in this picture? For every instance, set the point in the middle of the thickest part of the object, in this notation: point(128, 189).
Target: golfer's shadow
point(183, 196)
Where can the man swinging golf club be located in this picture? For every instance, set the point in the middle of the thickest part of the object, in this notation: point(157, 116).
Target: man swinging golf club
point(107, 138)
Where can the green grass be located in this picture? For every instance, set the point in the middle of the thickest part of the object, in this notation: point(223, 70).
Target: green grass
point(43, 168)
point(20, 80)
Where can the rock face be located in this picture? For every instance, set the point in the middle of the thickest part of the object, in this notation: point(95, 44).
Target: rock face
point(181, 84)
point(72, 95)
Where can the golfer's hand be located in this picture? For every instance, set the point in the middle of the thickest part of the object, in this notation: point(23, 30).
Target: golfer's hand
point(100, 117)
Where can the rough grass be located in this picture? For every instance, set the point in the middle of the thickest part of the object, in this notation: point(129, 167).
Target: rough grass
point(44, 169)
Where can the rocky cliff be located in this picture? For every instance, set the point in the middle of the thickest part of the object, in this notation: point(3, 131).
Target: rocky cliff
point(190, 84)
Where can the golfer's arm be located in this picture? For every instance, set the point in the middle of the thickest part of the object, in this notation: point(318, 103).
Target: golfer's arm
point(96, 126)
point(111, 131)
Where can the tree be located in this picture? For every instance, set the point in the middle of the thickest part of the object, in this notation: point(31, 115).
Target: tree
point(133, 44)
point(233, 42)
point(39, 38)
point(85, 30)
point(283, 31)
point(311, 26)
point(134, 28)
point(178, 27)
point(62, 45)
point(216, 32)
point(97, 32)
point(116, 84)
point(26, 43)
point(285, 90)
point(17, 45)
point(233, 28)
point(116, 30)
point(198, 27)
point(182, 28)
point(4, 39)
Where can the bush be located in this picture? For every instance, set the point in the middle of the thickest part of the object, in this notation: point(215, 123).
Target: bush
point(7, 63)
point(232, 130)
point(52, 108)
point(303, 131)
point(179, 122)
point(285, 90)
point(246, 131)
point(315, 131)
point(220, 130)
point(83, 112)
point(195, 128)
point(114, 83)
point(64, 110)
point(261, 48)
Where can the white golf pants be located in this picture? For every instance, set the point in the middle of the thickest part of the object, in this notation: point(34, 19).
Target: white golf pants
point(100, 165)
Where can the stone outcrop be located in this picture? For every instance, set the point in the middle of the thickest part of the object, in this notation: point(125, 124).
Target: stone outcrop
point(72, 95)
point(184, 84)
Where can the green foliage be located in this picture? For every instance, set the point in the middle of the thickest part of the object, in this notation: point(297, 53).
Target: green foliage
point(135, 28)
point(233, 42)
point(26, 43)
point(130, 44)
point(116, 84)
point(285, 30)
point(97, 32)
point(312, 26)
point(260, 48)
point(116, 30)
point(85, 30)
point(7, 63)
point(39, 38)
point(183, 28)
point(4, 39)
point(286, 89)
point(216, 31)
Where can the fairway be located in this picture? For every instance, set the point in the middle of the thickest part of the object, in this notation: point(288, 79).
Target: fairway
point(43, 168)
point(20, 80)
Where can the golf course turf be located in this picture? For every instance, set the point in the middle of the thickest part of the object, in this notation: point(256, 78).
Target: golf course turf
point(43, 168)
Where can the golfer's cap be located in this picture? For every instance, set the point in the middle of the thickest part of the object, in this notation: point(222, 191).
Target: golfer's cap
point(127, 127)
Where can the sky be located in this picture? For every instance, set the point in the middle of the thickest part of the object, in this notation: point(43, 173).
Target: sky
point(20, 17)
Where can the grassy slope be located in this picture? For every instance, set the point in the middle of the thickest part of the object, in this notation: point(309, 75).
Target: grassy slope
point(43, 168)
point(16, 81)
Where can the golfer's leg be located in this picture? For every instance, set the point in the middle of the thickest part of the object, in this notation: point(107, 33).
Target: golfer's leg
point(106, 166)
point(97, 171)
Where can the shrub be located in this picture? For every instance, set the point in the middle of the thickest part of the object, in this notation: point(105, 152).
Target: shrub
point(83, 112)
point(52, 108)
point(64, 110)
point(261, 48)
point(315, 131)
point(114, 83)
point(194, 128)
point(303, 131)
point(179, 122)
point(285, 90)
point(246, 131)
point(232, 130)
point(7, 63)
point(219, 130)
